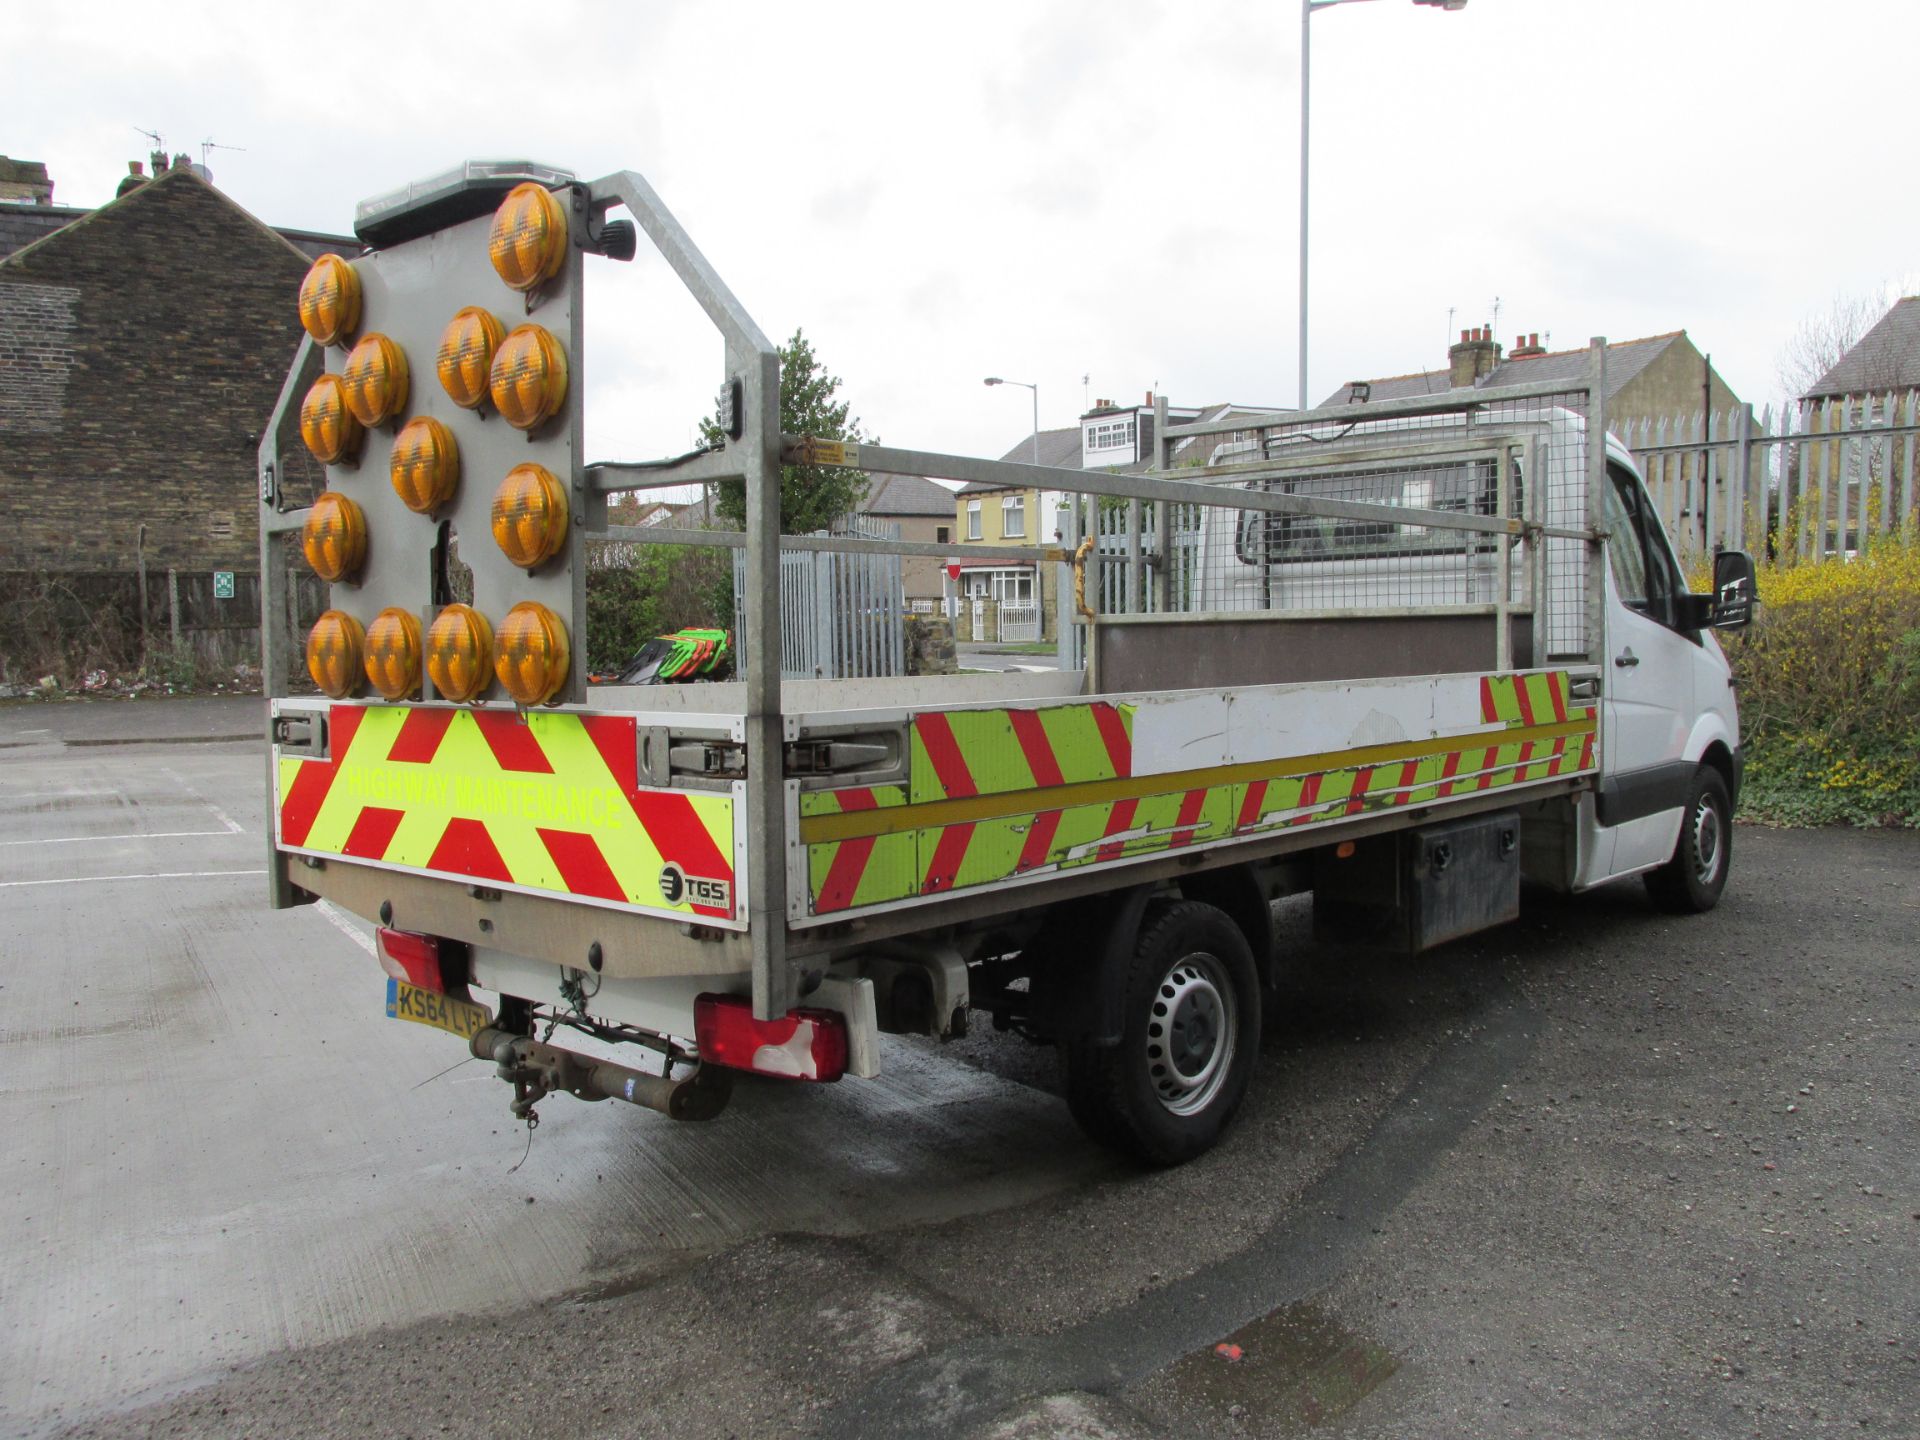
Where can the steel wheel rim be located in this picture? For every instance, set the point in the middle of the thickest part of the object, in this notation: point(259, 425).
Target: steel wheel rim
point(1190, 1035)
point(1709, 850)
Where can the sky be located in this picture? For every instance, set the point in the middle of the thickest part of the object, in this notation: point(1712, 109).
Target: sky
point(1101, 199)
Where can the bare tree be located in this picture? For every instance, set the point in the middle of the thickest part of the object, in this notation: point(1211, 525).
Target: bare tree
point(1826, 336)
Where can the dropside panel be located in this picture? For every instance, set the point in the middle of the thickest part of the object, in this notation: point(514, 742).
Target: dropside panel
point(1004, 795)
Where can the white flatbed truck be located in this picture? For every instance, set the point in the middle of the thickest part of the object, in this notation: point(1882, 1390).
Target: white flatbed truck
point(1401, 655)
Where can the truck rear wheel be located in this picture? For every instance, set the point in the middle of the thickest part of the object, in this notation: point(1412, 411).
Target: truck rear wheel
point(1690, 883)
point(1191, 1005)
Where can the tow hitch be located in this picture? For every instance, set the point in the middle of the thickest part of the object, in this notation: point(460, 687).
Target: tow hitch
point(537, 1070)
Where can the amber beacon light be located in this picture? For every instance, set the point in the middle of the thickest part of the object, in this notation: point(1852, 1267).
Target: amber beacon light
point(528, 382)
point(330, 300)
point(460, 653)
point(327, 425)
point(375, 379)
point(334, 539)
point(530, 515)
point(530, 653)
point(425, 464)
point(528, 241)
point(334, 647)
point(465, 358)
point(393, 653)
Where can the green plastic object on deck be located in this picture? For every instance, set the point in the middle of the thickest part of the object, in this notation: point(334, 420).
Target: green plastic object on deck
point(680, 657)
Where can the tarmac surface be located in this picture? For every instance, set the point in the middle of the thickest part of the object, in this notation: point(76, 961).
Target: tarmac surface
point(997, 657)
point(1601, 1173)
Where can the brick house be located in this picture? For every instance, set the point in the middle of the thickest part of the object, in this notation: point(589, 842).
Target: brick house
point(1647, 379)
point(142, 347)
point(924, 513)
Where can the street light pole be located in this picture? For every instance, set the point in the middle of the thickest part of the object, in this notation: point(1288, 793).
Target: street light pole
point(996, 380)
point(1307, 7)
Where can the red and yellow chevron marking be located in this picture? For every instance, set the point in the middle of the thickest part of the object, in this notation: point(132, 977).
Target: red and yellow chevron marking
point(993, 752)
point(1536, 698)
point(549, 801)
point(1334, 794)
point(866, 870)
point(955, 830)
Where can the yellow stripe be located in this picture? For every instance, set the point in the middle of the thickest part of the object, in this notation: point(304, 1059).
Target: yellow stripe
point(818, 829)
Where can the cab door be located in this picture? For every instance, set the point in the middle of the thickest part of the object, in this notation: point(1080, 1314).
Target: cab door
point(1650, 677)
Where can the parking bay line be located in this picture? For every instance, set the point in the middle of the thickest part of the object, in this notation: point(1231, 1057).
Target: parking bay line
point(346, 927)
point(131, 835)
point(104, 879)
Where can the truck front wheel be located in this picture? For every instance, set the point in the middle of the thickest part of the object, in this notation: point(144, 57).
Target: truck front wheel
point(1191, 1005)
point(1690, 883)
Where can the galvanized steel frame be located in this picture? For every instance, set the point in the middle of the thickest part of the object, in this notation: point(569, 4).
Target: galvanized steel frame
point(751, 360)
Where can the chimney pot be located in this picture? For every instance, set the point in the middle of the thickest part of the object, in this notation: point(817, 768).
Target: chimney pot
point(1149, 397)
point(1465, 335)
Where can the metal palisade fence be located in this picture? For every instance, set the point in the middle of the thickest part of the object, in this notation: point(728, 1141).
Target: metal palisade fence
point(1813, 481)
point(840, 614)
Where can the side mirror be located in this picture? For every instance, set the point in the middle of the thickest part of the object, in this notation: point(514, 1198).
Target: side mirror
point(1733, 591)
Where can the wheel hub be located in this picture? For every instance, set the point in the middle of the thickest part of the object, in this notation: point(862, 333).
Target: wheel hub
point(1190, 1034)
point(1706, 843)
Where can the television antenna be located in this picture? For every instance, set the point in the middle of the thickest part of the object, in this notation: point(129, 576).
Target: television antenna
point(211, 144)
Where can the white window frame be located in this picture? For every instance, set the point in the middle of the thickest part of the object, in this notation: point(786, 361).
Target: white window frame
point(1013, 517)
point(1012, 586)
point(973, 520)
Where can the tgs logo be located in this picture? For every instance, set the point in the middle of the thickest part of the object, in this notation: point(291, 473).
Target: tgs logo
point(676, 886)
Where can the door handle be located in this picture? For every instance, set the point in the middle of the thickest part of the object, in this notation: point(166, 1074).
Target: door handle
point(1626, 659)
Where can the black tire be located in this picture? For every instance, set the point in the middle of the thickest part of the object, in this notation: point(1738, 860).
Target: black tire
point(1691, 882)
point(1191, 999)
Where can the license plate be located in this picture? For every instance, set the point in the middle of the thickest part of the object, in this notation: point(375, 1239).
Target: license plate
point(443, 1012)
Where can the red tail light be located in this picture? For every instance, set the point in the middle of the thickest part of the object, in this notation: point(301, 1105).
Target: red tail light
point(412, 958)
point(800, 1045)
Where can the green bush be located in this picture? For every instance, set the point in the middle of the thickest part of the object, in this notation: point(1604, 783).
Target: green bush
point(637, 592)
point(1830, 691)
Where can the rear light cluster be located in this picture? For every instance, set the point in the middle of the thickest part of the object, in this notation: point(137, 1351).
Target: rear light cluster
point(423, 961)
point(800, 1045)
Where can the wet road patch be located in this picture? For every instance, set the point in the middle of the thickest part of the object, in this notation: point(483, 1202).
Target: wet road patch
point(1292, 1369)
